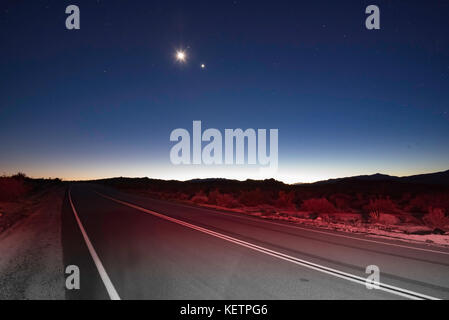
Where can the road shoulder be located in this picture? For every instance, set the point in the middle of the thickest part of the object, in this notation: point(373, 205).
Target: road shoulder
point(31, 265)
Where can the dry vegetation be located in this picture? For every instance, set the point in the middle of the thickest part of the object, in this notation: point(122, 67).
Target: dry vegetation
point(12, 188)
point(17, 194)
point(352, 201)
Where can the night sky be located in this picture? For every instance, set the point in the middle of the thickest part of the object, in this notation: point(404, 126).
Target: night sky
point(101, 101)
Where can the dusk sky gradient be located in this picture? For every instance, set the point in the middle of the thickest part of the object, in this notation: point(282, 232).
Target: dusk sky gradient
point(102, 101)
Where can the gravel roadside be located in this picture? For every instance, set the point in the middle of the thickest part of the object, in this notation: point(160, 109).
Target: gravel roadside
point(31, 265)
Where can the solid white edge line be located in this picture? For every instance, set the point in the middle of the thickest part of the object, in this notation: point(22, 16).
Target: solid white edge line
point(113, 295)
point(336, 273)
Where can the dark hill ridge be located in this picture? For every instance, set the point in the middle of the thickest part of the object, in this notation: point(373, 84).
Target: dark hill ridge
point(431, 178)
point(437, 178)
point(371, 183)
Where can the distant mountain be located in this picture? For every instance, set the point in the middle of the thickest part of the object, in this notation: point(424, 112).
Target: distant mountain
point(209, 180)
point(369, 183)
point(429, 178)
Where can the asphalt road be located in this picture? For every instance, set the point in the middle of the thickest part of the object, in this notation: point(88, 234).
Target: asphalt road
point(132, 247)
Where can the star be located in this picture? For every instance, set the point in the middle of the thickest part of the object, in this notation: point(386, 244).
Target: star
point(181, 56)
point(203, 66)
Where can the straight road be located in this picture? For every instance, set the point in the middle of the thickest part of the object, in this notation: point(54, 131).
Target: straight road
point(132, 247)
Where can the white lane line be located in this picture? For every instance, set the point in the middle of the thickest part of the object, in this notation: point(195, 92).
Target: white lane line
point(240, 216)
point(336, 273)
point(113, 295)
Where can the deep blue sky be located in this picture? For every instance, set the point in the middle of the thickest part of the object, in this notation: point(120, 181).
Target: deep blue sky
point(102, 101)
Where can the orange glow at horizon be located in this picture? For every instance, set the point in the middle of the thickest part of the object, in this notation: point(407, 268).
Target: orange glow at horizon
point(306, 174)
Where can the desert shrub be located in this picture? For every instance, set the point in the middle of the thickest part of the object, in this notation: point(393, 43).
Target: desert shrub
point(228, 201)
point(252, 198)
point(389, 219)
point(318, 205)
point(436, 218)
point(222, 199)
point(325, 218)
point(179, 196)
point(286, 200)
point(419, 203)
point(183, 196)
point(378, 206)
point(13, 187)
point(374, 215)
point(422, 203)
point(200, 197)
point(213, 197)
point(341, 201)
point(19, 176)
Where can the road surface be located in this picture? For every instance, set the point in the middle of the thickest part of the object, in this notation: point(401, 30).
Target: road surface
point(131, 247)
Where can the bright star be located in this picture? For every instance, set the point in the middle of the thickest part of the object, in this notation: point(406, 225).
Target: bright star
point(203, 66)
point(181, 56)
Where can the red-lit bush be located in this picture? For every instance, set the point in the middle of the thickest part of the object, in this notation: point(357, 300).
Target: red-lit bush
point(222, 199)
point(13, 187)
point(378, 206)
point(318, 205)
point(200, 197)
point(436, 218)
point(286, 200)
point(341, 201)
point(252, 198)
point(422, 203)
